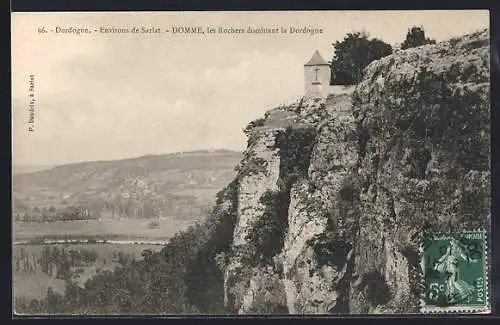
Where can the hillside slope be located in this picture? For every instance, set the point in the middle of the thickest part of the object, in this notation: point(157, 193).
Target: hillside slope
point(24, 169)
point(181, 185)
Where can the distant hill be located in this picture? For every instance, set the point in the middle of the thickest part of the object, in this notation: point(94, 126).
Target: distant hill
point(179, 185)
point(23, 169)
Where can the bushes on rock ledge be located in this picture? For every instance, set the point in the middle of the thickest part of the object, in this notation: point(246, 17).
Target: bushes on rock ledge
point(296, 147)
point(253, 124)
point(267, 234)
point(254, 165)
point(329, 250)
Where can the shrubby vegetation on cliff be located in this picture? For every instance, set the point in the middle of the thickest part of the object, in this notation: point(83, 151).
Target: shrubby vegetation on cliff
point(266, 235)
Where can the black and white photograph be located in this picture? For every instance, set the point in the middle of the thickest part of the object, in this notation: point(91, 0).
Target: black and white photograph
point(251, 163)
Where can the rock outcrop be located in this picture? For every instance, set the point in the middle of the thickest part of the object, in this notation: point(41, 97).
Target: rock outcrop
point(334, 194)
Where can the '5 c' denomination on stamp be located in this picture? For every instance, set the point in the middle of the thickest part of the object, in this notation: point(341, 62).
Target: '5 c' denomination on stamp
point(455, 272)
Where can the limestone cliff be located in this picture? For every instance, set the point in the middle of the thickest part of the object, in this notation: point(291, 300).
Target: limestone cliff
point(333, 194)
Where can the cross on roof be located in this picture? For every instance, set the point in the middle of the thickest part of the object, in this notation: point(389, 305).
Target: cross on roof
point(316, 71)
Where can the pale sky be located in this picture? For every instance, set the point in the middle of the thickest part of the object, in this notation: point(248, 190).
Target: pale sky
point(112, 96)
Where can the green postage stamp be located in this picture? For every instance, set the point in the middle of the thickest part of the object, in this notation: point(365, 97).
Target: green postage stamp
point(455, 272)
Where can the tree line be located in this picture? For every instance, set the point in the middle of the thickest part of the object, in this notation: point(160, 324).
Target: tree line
point(52, 214)
point(117, 207)
point(54, 261)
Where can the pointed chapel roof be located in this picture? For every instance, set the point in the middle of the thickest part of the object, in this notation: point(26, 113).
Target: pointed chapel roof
point(316, 59)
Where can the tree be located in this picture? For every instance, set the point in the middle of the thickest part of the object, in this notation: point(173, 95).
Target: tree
point(416, 37)
point(18, 263)
point(46, 260)
point(353, 54)
point(53, 300)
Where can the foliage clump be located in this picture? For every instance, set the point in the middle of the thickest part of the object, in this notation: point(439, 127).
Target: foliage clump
point(253, 166)
point(416, 37)
point(295, 146)
point(267, 233)
point(253, 124)
point(353, 54)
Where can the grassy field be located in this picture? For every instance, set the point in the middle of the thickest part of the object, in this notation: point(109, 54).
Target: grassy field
point(35, 285)
point(111, 229)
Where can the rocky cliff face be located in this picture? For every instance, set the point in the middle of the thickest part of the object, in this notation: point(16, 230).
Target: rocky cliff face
point(333, 195)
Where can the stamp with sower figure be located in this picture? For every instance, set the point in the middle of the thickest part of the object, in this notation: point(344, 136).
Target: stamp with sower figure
point(455, 272)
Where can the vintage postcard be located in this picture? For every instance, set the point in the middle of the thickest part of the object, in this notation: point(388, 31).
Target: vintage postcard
point(235, 163)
